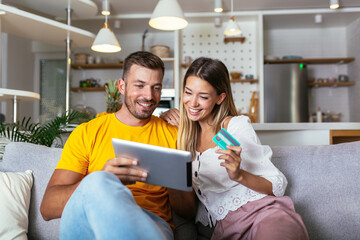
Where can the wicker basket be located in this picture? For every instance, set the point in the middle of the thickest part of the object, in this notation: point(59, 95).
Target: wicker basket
point(161, 51)
point(80, 58)
point(235, 75)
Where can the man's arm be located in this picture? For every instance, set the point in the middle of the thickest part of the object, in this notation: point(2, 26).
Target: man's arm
point(64, 182)
point(60, 187)
point(183, 203)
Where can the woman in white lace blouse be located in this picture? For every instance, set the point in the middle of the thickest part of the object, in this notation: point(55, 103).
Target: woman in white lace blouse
point(239, 188)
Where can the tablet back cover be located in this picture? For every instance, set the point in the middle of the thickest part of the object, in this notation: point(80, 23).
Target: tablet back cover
point(165, 166)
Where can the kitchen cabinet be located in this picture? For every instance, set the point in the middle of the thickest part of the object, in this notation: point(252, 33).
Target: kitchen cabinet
point(329, 49)
point(344, 135)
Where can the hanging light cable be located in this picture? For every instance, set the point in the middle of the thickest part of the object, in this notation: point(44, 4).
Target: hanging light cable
point(105, 40)
point(232, 28)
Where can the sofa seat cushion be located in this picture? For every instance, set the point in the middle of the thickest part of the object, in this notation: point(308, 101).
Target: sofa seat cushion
point(324, 185)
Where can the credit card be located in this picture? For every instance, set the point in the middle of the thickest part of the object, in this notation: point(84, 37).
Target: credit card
point(223, 138)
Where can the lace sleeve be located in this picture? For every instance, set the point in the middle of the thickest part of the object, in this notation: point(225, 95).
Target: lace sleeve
point(256, 158)
point(279, 184)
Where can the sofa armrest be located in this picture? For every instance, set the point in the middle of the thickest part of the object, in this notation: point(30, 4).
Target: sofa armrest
point(42, 160)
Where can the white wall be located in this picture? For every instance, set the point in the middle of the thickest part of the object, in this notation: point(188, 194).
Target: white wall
point(353, 49)
point(19, 72)
point(316, 43)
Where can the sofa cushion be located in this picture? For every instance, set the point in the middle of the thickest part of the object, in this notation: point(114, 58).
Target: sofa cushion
point(324, 185)
point(42, 161)
point(15, 192)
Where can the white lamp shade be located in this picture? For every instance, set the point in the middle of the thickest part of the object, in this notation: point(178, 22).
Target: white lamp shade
point(106, 41)
point(218, 6)
point(168, 15)
point(105, 8)
point(334, 4)
point(232, 28)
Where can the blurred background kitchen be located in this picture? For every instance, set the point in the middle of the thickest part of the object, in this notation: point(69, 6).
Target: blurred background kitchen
point(291, 61)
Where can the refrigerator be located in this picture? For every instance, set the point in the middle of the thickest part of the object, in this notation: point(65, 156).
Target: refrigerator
point(285, 93)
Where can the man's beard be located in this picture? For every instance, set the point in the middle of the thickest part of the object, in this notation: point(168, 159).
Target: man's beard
point(143, 114)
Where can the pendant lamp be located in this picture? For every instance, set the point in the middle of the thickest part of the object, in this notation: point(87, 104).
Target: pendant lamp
point(334, 4)
point(218, 6)
point(168, 16)
point(232, 28)
point(105, 8)
point(105, 40)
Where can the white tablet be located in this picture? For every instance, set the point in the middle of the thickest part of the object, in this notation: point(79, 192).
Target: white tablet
point(165, 166)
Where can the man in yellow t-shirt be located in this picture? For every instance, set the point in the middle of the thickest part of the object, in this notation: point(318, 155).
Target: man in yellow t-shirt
point(87, 187)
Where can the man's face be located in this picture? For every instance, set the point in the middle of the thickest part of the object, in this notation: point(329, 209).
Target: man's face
point(142, 91)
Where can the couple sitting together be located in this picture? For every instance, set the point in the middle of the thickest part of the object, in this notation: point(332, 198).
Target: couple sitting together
point(238, 191)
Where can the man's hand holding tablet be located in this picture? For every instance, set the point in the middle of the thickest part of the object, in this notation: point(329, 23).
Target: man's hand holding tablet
point(164, 166)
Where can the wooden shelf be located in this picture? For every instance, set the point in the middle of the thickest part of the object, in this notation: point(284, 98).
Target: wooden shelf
point(97, 66)
point(107, 65)
point(312, 60)
point(167, 59)
point(234, 39)
point(245, 80)
point(335, 84)
point(87, 89)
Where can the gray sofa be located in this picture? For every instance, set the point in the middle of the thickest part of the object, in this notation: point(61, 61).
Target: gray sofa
point(323, 183)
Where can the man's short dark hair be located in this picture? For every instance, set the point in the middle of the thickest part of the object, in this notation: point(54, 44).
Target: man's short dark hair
point(144, 59)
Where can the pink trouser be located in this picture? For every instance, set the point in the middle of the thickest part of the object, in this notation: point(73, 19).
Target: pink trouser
point(269, 218)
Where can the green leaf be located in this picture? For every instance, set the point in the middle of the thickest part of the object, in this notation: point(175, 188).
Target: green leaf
point(36, 133)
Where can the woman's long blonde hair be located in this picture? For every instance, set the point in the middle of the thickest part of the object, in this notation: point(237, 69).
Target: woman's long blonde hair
point(214, 72)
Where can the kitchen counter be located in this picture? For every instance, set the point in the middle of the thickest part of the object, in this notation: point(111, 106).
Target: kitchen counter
point(293, 134)
point(305, 126)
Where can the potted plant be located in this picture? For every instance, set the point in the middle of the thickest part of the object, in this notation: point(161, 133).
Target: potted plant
point(112, 96)
point(48, 134)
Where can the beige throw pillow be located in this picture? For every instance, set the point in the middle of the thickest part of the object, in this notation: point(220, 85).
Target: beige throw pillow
point(15, 193)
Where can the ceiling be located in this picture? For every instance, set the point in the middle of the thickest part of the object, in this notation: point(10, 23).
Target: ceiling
point(122, 7)
point(195, 6)
point(142, 9)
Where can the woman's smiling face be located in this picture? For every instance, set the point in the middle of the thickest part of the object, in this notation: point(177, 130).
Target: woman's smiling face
point(199, 98)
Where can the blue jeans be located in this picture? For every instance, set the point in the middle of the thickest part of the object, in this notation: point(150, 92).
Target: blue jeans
point(103, 208)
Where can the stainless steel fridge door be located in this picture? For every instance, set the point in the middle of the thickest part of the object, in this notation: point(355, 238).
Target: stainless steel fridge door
point(285, 93)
